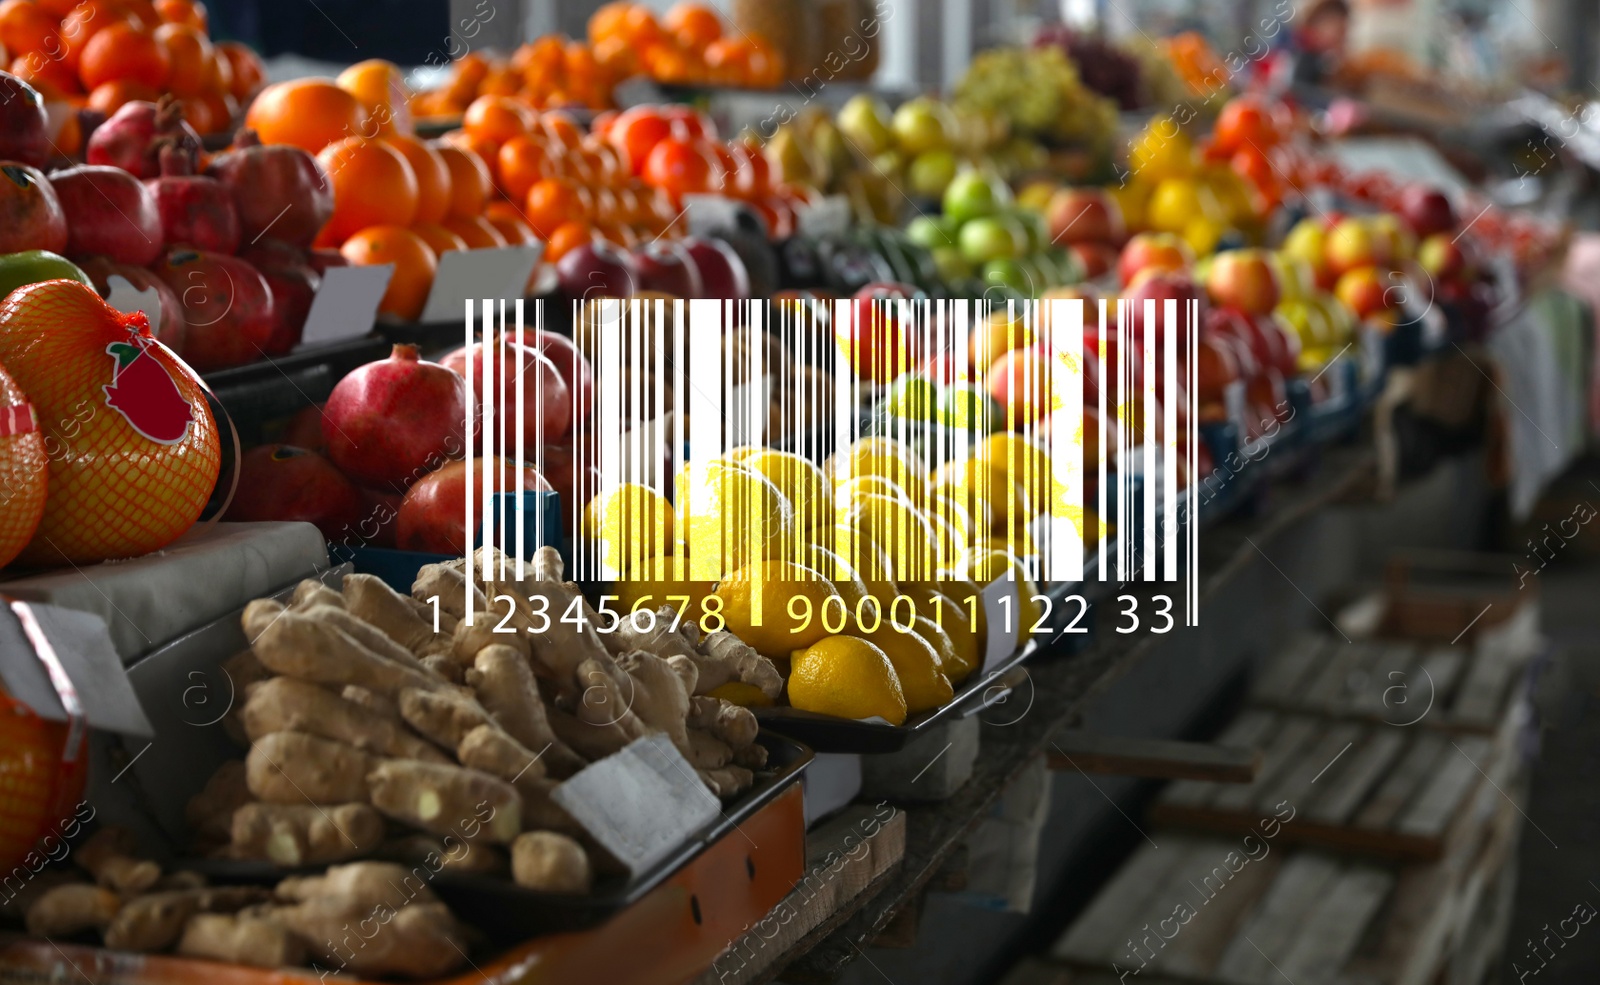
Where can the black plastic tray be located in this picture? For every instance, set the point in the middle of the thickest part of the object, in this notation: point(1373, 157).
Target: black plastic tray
point(509, 914)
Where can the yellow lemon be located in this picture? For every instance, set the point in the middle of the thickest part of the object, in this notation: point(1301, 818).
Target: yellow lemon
point(967, 497)
point(1005, 494)
point(900, 530)
point(1203, 234)
point(866, 559)
point(740, 693)
point(916, 663)
point(847, 677)
point(662, 580)
point(1162, 151)
point(1131, 197)
point(947, 606)
point(801, 482)
point(850, 586)
point(730, 516)
point(988, 566)
point(880, 456)
point(629, 523)
point(954, 513)
point(774, 605)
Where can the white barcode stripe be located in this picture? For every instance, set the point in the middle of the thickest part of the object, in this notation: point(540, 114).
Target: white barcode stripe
point(1103, 382)
point(609, 395)
point(520, 519)
point(704, 402)
point(492, 371)
point(1169, 383)
point(471, 425)
point(1147, 351)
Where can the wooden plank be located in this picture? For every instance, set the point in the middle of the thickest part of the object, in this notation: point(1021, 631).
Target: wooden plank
point(1246, 731)
point(1443, 666)
point(1447, 789)
point(1281, 751)
point(1351, 781)
point(1269, 930)
point(1482, 697)
point(1336, 925)
point(1282, 674)
point(1123, 904)
point(1394, 664)
point(1294, 784)
point(1196, 950)
point(1330, 689)
point(1401, 785)
point(1155, 758)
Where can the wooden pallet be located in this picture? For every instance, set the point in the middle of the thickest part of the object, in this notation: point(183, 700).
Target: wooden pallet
point(1455, 689)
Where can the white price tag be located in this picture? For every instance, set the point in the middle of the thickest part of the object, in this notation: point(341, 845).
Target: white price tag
point(500, 274)
point(346, 303)
point(128, 299)
point(707, 214)
point(829, 217)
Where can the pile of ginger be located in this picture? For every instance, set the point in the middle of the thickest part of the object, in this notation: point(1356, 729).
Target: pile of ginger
point(373, 735)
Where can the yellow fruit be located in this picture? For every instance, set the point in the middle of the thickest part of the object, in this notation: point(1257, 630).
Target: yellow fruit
point(970, 498)
point(775, 606)
point(851, 588)
point(742, 694)
point(1005, 493)
point(947, 541)
point(1131, 197)
point(730, 516)
point(900, 530)
point(662, 580)
point(1203, 235)
point(629, 523)
point(802, 484)
point(1162, 151)
point(847, 677)
point(957, 515)
point(917, 665)
point(879, 456)
point(943, 620)
point(846, 493)
point(966, 639)
point(986, 567)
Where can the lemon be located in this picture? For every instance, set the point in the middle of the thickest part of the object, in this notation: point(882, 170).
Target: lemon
point(943, 619)
point(988, 566)
point(1162, 151)
point(954, 513)
point(730, 516)
point(740, 693)
point(847, 677)
point(662, 580)
point(1203, 234)
point(899, 529)
point(969, 498)
point(761, 604)
point(857, 549)
point(917, 665)
point(846, 493)
point(801, 482)
point(1005, 493)
point(1131, 197)
point(851, 588)
point(879, 456)
point(629, 523)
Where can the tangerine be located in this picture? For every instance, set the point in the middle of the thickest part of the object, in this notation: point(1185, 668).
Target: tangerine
point(414, 266)
point(380, 87)
point(123, 51)
point(108, 97)
point(372, 186)
point(470, 183)
point(308, 113)
point(551, 202)
point(495, 118)
point(50, 77)
point(439, 239)
point(85, 21)
point(728, 59)
point(522, 161)
point(564, 238)
point(694, 25)
point(475, 231)
point(516, 231)
point(190, 12)
point(190, 56)
point(432, 174)
point(635, 133)
point(248, 73)
point(26, 28)
point(680, 167)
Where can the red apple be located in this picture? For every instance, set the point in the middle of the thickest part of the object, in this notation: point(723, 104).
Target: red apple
point(1216, 370)
point(1017, 382)
point(1160, 286)
point(877, 342)
point(24, 133)
point(1351, 244)
point(1095, 258)
point(722, 274)
point(1153, 250)
point(1363, 291)
point(1442, 258)
point(1083, 215)
point(1244, 279)
point(432, 517)
point(1426, 210)
point(596, 269)
point(666, 267)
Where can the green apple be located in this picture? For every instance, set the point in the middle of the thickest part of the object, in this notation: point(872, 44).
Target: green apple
point(992, 238)
point(931, 232)
point(968, 405)
point(930, 172)
point(863, 120)
point(922, 124)
point(952, 265)
point(913, 396)
point(32, 266)
point(1009, 272)
point(1033, 225)
point(972, 194)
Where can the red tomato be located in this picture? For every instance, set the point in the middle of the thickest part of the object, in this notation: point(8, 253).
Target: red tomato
point(679, 167)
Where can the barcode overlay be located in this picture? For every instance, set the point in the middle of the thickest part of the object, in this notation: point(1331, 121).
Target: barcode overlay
point(964, 410)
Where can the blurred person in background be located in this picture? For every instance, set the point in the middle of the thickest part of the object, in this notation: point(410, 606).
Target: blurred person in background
point(1317, 44)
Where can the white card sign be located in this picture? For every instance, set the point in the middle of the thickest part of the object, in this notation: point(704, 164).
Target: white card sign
point(129, 299)
point(828, 217)
point(707, 214)
point(500, 274)
point(1002, 617)
point(346, 303)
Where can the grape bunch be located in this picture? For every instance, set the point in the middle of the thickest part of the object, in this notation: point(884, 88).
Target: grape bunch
point(1104, 68)
point(1039, 93)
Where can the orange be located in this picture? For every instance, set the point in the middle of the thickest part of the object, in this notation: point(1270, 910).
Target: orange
point(439, 239)
point(50, 77)
point(124, 52)
point(487, 150)
point(607, 22)
point(372, 186)
point(26, 28)
point(496, 118)
point(470, 183)
point(381, 88)
point(414, 266)
point(57, 8)
point(694, 25)
point(141, 12)
point(522, 161)
point(308, 113)
point(248, 72)
point(680, 167)
point(475, 230)
point(551, 202)
point(617, 57)
point(565, 237)
point(189, 53)
point(516, 231)
point(728, 59)
point(221, 106)
point(190, 12)
point(85, 21)
point(562, 129)
point(108, 97)
point(200, 114)
point(764, 66)
point(432, 174)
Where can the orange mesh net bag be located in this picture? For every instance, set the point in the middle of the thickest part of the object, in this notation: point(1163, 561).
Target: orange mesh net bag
point(23, 470)
point(134, 451)
point(39, 780)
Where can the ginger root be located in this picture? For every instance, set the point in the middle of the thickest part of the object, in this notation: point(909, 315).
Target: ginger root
point(449, 583)
point(505, 686)
point(445, 667)
point(295, 768)
point(379, 705)
point(312, 592)
point(71, 909)
point(443, 716)
point(373, 601)
point(293, 835)
point(436, 855)
point(365, 633)
point(241, 939)
point(108, 856)
point(724, 657)
point(443, 799)
point(210, 812)
point(551, 863)
point(367, 884)
point(468, 641)
point(727, 781)
point(489, 749)
point(152, 922)
point(735, 725)
point(296, 645)
point(285, 704)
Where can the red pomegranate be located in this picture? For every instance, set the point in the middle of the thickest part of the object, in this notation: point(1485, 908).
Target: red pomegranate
point(24, 469)
point(546, 402)
point(575, 487)
point(304, 430)
point(280, 187)
point(391, 422)
point(108, 211)
point(24, 129)
point(570, 362)
point(134, 135)
point(169, 327)
point(133, 448)
point(293, 282)
point(30, 213)
point(282, 482)
point(434, 512)
point(194, 210)
point(227, 307)
point(380, 514)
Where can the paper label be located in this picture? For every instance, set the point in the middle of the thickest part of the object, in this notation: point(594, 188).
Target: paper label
point(641, 804)
point(129, 299)
point(499, 274)
point(707, 214)
point(828, 217)
point(346, 303)
point(1002, 607)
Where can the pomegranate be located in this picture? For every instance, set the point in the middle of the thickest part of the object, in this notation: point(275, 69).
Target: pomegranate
point(434, 512)
point(575, 486)
point(278, 187)
point(24, 130)
point(282, 482)
point(134, 452)
point(195, 210)
point(227, 307)
point(293, 282)
point(133, 137)
point(30, 214)
point(304, 430)
point(546, 401)
point(571, 363)
point(380, 513)
point(391, 422)
point(108, 211)
point(170, 327)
